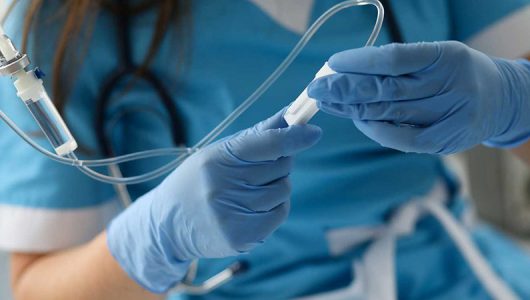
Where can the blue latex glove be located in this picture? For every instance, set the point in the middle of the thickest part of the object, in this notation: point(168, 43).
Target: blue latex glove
point(429, 97)
point(222, 201)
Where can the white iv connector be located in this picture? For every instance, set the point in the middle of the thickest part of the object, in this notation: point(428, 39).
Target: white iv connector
point(304, 107)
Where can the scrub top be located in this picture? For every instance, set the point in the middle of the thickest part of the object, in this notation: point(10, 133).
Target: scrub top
point(346, 181)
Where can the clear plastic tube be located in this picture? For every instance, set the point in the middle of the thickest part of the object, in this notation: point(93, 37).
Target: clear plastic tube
point(51, 123)
point(183, 153)
point(95, 162)
point(83, 165)
point(291, 57)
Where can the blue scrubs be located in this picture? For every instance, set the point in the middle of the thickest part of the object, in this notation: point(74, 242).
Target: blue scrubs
point(345, 181)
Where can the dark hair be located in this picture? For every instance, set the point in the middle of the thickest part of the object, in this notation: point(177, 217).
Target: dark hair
point(77, 17)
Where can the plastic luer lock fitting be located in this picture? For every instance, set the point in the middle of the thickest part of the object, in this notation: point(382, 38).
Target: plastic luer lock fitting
point(304, 107)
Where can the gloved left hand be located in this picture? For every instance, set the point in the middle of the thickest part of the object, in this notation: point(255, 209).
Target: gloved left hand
point(439, 97)
point(222, 201)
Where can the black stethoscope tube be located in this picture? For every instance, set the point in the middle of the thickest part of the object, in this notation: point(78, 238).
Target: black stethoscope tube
point(128, 69)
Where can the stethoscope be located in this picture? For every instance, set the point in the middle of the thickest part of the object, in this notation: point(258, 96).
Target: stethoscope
point(128, 69)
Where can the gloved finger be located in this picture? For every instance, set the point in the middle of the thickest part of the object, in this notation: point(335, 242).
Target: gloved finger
point(276, 121)
point(420, 113)
point(257, 199)
point(257, 146)
point(392, 59)
point(445, 138)
point(337, 109)
point(357, 88)
point(259, 228)
point(402, 138)
point(258, 174)
point(267, 222)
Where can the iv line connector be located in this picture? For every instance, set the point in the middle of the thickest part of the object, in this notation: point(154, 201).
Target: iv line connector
point(11, 67)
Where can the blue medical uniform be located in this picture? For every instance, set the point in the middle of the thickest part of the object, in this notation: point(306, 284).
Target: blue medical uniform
point(345, 181)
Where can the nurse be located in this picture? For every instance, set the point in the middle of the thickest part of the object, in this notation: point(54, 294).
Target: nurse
point(348, 190)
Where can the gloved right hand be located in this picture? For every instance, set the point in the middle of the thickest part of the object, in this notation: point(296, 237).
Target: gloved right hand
point(441, 97)
point(222, 201)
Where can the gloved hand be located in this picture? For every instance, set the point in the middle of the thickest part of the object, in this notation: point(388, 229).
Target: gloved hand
point(222, 201)
point(429, 97)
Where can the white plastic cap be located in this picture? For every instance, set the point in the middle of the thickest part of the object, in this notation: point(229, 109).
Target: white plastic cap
point(7, 49)
point(304, 108)
point(28, 86)
point(66, 148)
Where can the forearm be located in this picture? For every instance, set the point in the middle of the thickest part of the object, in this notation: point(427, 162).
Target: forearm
point(85, 272)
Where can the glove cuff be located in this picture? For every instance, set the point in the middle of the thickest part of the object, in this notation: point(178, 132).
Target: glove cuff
point(516, 80)
point(138, 251)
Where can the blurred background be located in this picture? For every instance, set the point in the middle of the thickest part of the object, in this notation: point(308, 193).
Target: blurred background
point(4, 277)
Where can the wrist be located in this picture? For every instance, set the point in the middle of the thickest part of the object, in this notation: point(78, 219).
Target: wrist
point(515, 105)
point(140, 252)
